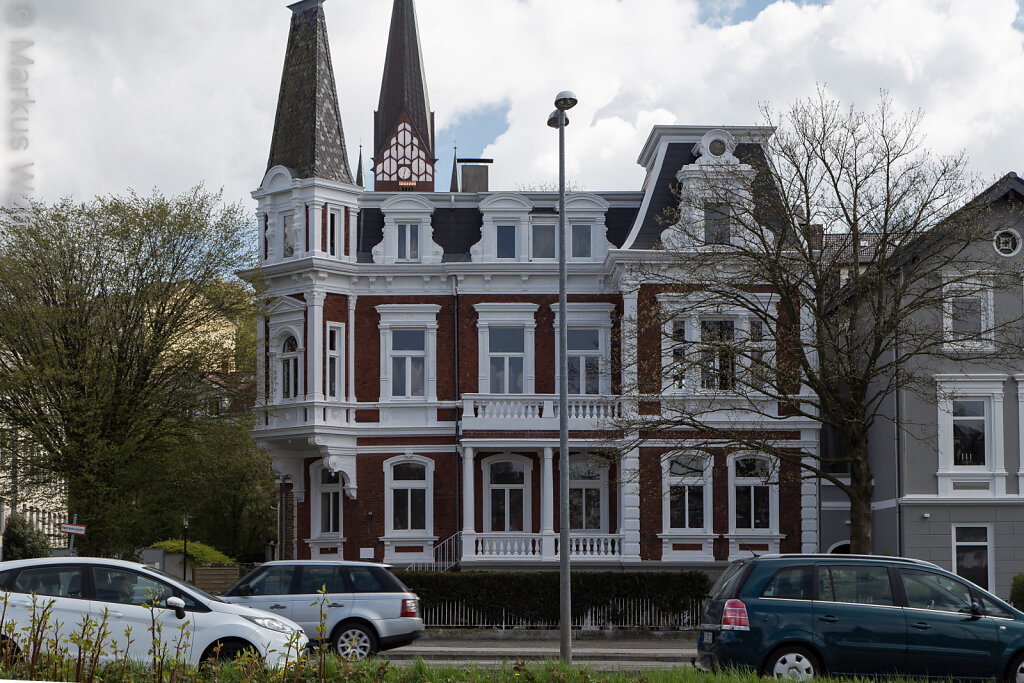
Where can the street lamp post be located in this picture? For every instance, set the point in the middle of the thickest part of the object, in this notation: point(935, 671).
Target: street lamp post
point(184, 552)
point(564, 101)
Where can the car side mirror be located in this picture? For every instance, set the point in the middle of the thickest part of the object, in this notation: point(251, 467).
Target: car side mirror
point(976, 608)
point(244, 590)
point(178, 605)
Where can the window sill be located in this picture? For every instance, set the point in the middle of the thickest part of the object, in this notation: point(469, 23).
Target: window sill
point(325, 541)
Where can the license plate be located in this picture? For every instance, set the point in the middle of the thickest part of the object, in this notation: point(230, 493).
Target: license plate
point(709, 637)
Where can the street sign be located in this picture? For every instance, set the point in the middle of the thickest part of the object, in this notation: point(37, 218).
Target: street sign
point(78, 529)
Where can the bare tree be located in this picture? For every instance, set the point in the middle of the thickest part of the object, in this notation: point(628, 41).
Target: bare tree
point(810, 271)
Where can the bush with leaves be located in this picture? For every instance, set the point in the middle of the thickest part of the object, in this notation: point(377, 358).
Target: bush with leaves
point(22, 540)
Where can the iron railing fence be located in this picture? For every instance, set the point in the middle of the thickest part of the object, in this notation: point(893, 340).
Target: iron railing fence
point(619, 613)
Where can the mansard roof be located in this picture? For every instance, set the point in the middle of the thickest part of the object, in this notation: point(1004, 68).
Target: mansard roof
point(404, 85)
point(308, 136)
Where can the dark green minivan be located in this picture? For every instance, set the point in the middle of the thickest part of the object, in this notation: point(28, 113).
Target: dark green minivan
point(804, 616)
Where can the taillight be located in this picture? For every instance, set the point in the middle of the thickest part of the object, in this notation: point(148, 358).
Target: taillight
point(409, 608)
point(734, 616)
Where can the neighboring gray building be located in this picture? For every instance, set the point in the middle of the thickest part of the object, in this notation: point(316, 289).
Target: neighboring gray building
point(948, 463)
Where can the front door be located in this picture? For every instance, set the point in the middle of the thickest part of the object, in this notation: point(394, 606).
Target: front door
point(946, 639)
point(857, 619)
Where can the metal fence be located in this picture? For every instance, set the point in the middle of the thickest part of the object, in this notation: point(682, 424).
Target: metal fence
point(618, 613)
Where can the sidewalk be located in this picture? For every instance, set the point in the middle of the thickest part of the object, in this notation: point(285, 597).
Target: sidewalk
point(601, 649)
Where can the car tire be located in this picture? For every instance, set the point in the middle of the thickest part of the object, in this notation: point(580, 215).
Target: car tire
point(354, 641)
point(229, 649)
point(1015, 672)
point(793, 662)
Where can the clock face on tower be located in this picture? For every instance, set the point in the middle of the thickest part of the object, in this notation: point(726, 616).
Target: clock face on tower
point(403, 159)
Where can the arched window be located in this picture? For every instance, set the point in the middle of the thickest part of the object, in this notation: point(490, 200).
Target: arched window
point(409, 482)
point(330, 502)
point(588, 491)
point(688, 496)
point(754, 497)
point(290, 378)
point(507, 480)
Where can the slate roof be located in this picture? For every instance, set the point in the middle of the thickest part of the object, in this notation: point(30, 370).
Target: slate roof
point(404, 85)
point(308, 137)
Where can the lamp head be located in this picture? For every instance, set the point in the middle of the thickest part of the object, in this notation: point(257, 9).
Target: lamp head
point(565, 100)
point(553, 118)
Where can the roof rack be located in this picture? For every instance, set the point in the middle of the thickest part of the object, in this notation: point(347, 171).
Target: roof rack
point(835, 556)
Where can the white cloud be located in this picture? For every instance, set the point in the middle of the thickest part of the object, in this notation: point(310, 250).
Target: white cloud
point(169, 94)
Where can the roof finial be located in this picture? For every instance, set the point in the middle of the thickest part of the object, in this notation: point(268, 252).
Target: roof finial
point(455, 169)
point(359, 169)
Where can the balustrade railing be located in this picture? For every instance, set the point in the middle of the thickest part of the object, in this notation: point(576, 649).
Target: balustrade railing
point(507, 545)
point(592, 545)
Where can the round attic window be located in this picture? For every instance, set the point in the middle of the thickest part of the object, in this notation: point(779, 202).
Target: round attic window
point(717, 147)
point(1007, 242)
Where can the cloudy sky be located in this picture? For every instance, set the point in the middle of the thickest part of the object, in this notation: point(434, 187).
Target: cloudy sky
point(157, 94)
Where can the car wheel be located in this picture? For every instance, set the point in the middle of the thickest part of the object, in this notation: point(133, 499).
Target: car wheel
point(792, 661)
point(1015, 673)
point(224, 650)
point(353, 641)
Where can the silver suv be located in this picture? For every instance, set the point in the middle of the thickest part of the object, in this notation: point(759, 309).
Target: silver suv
point(365, 608)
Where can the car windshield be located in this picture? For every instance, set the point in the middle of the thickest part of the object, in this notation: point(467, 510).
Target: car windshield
point(177, 581)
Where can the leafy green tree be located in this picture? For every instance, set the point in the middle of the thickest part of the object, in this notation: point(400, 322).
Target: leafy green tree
point(111, 320)
point(22, 540)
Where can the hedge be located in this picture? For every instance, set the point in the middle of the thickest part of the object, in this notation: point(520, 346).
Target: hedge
point(533, 596)
point(198, 553)
point(1017, 592)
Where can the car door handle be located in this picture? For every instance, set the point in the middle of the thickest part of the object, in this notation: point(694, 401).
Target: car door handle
point(828, 618)
point(921, 626)
point(116, 615)
point(277, 607)
point(335, 604)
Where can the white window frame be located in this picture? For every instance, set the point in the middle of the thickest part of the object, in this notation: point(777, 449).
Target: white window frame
point(980, 288)
point(600, 485)
point(338, 356)
point(506, 315)
point(408, 241)
point(390, 485)
point(485, 469)
point(296, 364)
point(672, 536)
point(588, 316)
point(316, 471)
point(408, 317)
point(515, 241)
point(962, 481)
point(334, 232)
point(989, 548)
point(691, 316)
point(738, 536)
point(408, 356)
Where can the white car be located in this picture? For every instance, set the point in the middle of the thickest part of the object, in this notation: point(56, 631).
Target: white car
point(86, 586)
point(361, 606)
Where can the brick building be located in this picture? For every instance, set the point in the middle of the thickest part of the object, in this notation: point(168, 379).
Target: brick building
point(409, 376)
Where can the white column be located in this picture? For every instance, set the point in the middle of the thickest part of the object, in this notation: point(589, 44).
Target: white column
point(315, 345)
point(385, 360)
point(809, 514)
point(1020, 433)
point(627, 349)
point(468, 509)
point(530, 347)
point(998, 457)
point(547, 505)
point(261, 363)
point(351, 351)
point(353, 222)
point(430, 369)
point(316, 228)
point(629, 489)
point(483, 384)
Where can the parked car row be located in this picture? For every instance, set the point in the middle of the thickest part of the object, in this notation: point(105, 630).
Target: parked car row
point(804, 616)
point(275, 611)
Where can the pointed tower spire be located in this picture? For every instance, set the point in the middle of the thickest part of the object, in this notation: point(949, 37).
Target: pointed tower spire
point(308, 137)
point(359, 169)
point(403, 125)
point(455, 170)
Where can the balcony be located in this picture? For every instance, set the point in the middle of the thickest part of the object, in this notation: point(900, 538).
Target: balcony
point(541, 547)
point(537, 411)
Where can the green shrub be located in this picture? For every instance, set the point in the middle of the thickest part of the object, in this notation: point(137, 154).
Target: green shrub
point(22, 540)
point(1017, 592)
point(198, 553)
point(533, 596)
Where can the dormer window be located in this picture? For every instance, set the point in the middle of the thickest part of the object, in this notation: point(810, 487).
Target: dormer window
point(543, 246)
point(582, 246)
point(408, 242)
point(506, 242)
point(716, 223)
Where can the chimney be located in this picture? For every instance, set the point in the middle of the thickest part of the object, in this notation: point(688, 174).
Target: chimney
point(474, 174)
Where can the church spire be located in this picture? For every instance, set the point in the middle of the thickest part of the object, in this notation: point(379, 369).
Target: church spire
point(308, 137)
point(455, 170)
point(359, 169)
point(403, 125)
